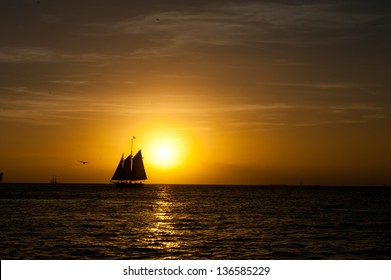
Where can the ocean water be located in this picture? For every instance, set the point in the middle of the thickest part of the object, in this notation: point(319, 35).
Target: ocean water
point(70, 221)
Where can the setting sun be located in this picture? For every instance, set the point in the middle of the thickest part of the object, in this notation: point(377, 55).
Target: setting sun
point(165, 156)
point(170, 155)
point(166, 153)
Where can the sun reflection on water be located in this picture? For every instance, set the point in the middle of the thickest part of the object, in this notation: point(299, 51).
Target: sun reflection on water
point(162, 233)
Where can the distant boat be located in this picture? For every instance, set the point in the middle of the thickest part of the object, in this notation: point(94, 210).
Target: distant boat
point(1, 177)
point(53, 180)
point(130, 171)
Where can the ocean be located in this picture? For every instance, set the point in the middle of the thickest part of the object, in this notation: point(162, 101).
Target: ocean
point(84, 221)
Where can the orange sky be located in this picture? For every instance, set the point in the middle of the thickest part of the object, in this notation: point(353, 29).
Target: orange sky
point(222, 92)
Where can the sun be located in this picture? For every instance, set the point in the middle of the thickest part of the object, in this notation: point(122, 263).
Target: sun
point(165, 154)
point(167, 150)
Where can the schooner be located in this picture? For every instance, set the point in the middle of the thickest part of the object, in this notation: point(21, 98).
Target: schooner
point(130, 171)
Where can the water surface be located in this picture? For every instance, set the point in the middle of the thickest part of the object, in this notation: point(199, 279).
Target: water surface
point(70, 221)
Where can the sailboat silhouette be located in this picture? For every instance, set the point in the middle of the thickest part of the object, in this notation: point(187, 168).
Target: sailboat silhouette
point(130, 171)
point(53, 180)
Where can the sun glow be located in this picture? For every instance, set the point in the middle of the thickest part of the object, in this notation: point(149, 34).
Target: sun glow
point(166, 153)
point(170, 154)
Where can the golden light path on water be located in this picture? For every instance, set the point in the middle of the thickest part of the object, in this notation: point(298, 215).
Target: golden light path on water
point(162, 232)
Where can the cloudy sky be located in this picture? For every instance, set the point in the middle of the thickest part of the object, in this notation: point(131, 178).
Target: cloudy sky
point(254, 92)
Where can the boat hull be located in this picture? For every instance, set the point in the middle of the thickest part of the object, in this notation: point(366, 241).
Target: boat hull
point(128, 185)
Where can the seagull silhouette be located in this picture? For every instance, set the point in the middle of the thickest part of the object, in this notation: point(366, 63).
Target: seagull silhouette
point(83, 162)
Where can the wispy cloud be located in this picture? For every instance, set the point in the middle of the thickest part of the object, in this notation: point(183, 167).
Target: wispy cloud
point(301, 115)
point(343, 114)
point(256, 124)
point(185, 27)
point(246, 23)
point(314, 85)
point(33, 55)
point(69, 82)
point(33, 106)
point(44, 108)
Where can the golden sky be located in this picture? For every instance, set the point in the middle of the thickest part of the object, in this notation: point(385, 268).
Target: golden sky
point(222, 92)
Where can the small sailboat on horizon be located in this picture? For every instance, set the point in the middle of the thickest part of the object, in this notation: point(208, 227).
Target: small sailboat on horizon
point(53, 181)
point(130, 171)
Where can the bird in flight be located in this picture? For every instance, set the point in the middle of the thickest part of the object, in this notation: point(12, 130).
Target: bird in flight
point(83, 162)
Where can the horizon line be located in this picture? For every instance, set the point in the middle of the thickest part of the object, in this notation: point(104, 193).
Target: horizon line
point(208, 184)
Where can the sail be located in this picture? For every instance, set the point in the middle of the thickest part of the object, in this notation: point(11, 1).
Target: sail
point(138, 170)
point(1, 177)
point(118, 172)
point(126, 173)
point(123, 171)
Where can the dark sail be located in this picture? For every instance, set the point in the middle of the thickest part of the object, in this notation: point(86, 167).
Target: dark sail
point(1, 177)
point(127, 173)
point(118, 172)
point(138, 170)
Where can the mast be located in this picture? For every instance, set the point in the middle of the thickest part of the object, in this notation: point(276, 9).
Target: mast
point(131, 153)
